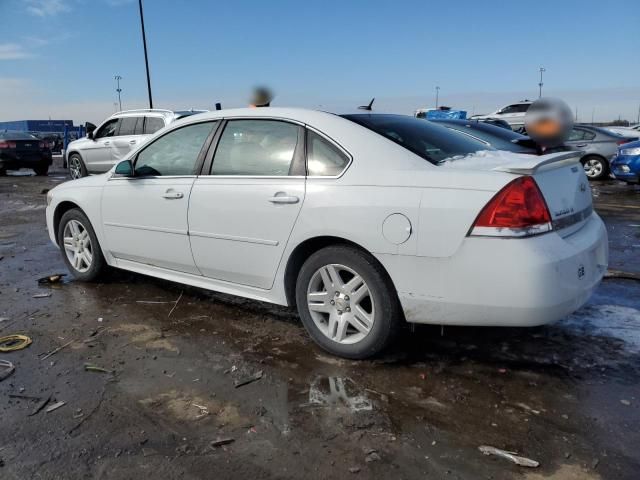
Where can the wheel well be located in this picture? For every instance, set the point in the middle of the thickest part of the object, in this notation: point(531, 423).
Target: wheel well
point(61, 209)
point(304, 251)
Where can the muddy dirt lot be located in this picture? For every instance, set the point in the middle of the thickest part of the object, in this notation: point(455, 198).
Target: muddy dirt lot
point(566, 395)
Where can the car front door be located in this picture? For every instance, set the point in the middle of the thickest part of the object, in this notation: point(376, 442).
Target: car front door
point(98, 155)
point(242, 211)
point(145, 216)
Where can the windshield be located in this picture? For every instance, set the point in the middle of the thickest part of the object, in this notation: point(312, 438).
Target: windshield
point(432, 142)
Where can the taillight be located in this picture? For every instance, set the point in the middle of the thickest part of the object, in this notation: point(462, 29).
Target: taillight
point(518, 210)
point(43, 145)
point(5, 144)
point(625, 140)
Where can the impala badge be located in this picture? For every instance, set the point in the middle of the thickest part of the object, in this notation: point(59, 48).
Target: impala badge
point(581, 271)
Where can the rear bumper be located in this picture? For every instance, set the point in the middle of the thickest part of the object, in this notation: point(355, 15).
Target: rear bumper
point(503, 282)
point(15, 161)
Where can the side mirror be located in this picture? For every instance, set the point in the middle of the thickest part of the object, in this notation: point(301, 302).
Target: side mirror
point(124, 169)
point(90, 127)
point(90, 135)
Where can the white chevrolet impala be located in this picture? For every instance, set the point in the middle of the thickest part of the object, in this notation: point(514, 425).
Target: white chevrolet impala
point(363, 222)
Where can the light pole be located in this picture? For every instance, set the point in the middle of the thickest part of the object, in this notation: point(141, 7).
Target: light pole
point(119, 90)
point(146, 58)
point(437, 95)
point(542, 69)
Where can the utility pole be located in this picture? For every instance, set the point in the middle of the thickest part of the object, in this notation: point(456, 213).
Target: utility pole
point(638, 119)
point(542, 69)
point(146, 58)
point(437, 95)
point(119, 90)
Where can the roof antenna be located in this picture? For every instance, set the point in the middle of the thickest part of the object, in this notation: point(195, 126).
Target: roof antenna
point(367, 107)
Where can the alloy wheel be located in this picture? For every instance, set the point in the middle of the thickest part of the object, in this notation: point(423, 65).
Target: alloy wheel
point(75, 167)
point(77, 246)
point(341, 304)
point(593, 168)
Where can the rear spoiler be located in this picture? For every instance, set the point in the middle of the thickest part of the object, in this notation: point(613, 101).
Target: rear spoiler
point(533, 164)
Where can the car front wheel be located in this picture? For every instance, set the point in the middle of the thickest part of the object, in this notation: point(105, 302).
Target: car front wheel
point(79, 246)
point(76, 167)
point(596, 168)
point(347, 303)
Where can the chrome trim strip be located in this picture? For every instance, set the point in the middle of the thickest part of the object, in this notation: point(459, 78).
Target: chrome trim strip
point(150, 229)
point(233, 238)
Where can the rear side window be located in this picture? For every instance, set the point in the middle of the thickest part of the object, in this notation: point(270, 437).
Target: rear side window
point(175, 153)
point(153, 124)
point(589, 135)
point(323, 158)
point(131, 126)
point(256, 148)
point(576, 135)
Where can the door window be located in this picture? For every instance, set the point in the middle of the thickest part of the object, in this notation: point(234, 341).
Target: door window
point(131, 126)
point(576, 135)
point(256, 148)
point(153, 124)
point(109, 129)
point(324, 158)
point(175, 153)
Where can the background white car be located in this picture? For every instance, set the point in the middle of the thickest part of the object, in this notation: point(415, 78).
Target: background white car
point(512, 114)
point(110, 142)
point(362, 221)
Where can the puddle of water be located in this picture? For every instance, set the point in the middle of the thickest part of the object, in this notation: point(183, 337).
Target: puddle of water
point(338, 392)
point(613, 321)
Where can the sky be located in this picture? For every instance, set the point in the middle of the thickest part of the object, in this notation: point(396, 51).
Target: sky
point(58, 58)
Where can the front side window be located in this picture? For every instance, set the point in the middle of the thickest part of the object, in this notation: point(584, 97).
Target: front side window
point(324, 158)
point(175, 153)
point(109, 129)
point(153, 124)
point(256, 148)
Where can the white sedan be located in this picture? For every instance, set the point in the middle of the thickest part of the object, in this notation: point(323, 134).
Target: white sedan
point(364, 222)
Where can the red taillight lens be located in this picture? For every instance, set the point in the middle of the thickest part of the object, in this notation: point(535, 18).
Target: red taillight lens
point(623, 141)
point(518, 210)
point(5, 144)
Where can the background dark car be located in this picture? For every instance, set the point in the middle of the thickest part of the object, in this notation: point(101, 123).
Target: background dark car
point(23, 150)
point(599, 147)
point(491, 135)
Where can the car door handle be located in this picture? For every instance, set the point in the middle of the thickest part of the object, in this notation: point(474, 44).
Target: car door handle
point(282, 197)
point(106, 143)
point(580, 145)
point(132, 142)
point(170, 195)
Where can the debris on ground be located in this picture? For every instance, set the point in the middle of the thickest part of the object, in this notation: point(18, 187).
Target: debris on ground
point(42, 295)
point(511, 456)
point(372, 456)
point(6, 369)
point(11, 343)
point(89, 367)
point(222, 441)
point(51, 279)
point(40, 406)
point(621, 274)
point(354, 469)
point(55, 406)
point(56, 350)
point(625, 402)
point(247, 380)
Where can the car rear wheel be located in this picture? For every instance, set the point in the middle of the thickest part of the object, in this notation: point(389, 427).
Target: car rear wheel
point(596, 168)
point(347, 303)
point(79, 246)
point(3, 172)
point(76, 167)
point(42, 170)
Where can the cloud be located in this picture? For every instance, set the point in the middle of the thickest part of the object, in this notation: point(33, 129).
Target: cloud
point(12, 51)
point(46, 8)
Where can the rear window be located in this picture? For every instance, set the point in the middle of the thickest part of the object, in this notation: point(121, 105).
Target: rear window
point(432, 142)
point(17, 136)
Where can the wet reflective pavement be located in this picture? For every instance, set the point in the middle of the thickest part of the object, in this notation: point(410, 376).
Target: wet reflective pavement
point(566, 395)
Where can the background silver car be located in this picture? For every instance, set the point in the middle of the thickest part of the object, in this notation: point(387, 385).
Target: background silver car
point(599, 146)
point(116, 137)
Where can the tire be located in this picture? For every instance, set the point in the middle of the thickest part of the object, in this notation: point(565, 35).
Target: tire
point(74, 223)
point(596, 168)
point(42, 170)
point(333, 326)
point(76, 166)
point(3, 172)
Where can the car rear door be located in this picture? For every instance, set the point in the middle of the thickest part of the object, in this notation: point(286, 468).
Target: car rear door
point(145, 216)
point(129, 134)
point(242, 211)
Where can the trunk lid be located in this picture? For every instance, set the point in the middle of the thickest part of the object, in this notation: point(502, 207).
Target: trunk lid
point(27, 146)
